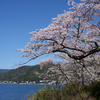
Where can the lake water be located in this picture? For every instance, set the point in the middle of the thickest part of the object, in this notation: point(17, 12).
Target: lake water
point(17, 91)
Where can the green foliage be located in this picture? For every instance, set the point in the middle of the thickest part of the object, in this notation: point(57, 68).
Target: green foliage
point(29, 96)
point(43, 94)
point(47, 93)
point(56, 93)
point(94, 89)
point(68, 92)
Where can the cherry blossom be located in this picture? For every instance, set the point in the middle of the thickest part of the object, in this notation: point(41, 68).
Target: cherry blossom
point(73, 36)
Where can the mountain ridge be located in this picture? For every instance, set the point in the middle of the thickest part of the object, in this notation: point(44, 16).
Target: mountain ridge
point(4, 70)
point(24, 73)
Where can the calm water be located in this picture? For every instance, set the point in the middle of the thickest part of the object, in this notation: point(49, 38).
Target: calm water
point(17, 91)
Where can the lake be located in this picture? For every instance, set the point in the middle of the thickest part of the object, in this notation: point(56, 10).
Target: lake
point(17, 91)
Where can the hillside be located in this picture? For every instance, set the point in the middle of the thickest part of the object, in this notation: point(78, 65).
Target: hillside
point(24, 73)
point(4, 70)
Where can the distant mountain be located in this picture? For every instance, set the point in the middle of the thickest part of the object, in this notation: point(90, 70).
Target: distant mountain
point(4, 70)
point(24, 73)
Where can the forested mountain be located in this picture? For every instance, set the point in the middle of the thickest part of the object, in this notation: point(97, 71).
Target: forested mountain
point(24, 73)
point(4, 70)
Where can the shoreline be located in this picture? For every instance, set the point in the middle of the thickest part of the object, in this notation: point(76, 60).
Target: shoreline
point(27, 84)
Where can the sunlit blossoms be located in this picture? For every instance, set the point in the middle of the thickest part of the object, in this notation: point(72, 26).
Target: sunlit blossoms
point(45, 62)
point(75, 34)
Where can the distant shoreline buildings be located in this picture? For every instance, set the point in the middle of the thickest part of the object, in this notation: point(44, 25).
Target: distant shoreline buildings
point(50, 82)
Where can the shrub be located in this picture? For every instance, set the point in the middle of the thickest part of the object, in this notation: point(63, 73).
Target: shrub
point(94, 89)
point(67, 92)
point(29, 96)
point(43, 94)
point(48, 93)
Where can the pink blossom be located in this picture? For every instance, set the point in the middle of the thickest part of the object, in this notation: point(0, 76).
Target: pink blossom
point(73, 35)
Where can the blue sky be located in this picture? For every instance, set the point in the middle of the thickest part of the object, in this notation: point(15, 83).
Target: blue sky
point(17, 19)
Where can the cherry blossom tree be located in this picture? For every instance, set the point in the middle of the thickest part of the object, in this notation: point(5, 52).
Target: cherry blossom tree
point(73, 36)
